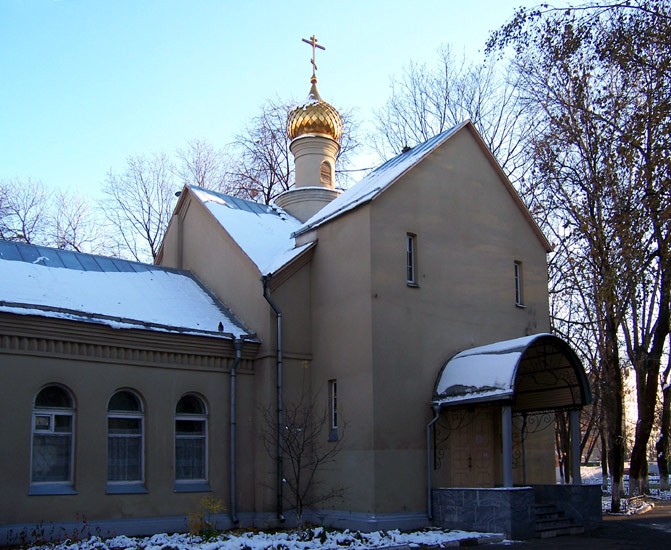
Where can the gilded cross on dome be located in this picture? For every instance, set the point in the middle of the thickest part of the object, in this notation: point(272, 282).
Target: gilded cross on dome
point(313, 42)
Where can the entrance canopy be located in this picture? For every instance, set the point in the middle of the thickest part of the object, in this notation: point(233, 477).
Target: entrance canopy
point(535, 373)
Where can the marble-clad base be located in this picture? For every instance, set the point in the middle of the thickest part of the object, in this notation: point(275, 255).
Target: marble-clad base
point(579, 502)
point(510, 511)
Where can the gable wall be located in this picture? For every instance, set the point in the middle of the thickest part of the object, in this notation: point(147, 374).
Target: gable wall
point(469, 233)
point(196, 239)
point(341, 318)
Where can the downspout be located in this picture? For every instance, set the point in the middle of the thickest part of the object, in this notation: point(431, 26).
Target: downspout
point(238, 343)
point(280, 404)
point(429, 503)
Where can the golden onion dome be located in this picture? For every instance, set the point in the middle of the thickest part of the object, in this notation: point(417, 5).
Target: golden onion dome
point(314, 117)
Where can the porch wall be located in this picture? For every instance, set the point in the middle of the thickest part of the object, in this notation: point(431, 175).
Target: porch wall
point(580, 502)
point(503, 510)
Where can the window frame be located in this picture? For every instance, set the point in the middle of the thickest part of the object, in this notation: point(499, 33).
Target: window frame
point(326, 173)
point(118, 486)
point(519, 284)
point(411, 260)
point(192, 484)
point(60, 486)
point(333, 409)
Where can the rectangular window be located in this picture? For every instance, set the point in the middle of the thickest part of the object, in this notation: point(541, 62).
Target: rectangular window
point(124, 448)
point(519, 298)
point(333, 410)
point(333, 403)
point(190, 449)
point(52, 448)
point(411, 259)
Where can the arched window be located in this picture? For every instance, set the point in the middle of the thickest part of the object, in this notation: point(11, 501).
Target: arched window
point(190, 439)
point(125, 431)
point(52, 438)
point(326, 176)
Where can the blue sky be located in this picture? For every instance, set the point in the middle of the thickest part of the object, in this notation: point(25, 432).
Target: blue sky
point(86, 83)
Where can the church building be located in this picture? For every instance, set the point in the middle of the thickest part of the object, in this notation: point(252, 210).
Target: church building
point(408, 315)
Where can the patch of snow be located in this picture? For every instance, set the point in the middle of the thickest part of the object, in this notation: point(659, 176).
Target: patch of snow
point(264, 236)
point(478, 373)
point(316, 538)
point(167, 299)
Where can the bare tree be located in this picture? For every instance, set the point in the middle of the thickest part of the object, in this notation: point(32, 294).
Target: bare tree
point(261, 165)
point(601, 99)
point(428, 99)
point(24, 211)
point(139, 204)
point(303, 442)
point(202, 165)
point(74, 226)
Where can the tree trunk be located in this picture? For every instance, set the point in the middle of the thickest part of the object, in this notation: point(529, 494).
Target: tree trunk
point(612, 395)
point(648, 366)
point(604, 461)
point(647, 399)
point(662, 446)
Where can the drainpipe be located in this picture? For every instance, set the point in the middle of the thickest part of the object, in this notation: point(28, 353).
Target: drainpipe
point(238, 343)
point(280, 404)
point(429, 503)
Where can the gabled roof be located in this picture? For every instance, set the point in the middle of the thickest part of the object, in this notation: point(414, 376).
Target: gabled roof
point(36, 280)
point(391, 171)
point(263, 233)
point(537, 372)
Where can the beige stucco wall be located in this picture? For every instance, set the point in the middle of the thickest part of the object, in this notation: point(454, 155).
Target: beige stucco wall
point(214, 258)
point(386, 342)
point(342, 350)
point(31, 363)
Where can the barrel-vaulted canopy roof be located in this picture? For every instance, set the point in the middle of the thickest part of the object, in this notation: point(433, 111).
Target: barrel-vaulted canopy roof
point(535, 373)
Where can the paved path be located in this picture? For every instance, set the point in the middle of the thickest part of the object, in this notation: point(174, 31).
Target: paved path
point(651, 530)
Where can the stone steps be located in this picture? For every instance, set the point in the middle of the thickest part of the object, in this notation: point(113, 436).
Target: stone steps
point(552, 522)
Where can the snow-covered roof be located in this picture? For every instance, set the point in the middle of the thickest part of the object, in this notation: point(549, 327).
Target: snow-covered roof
point(263, 232)
point(42, 281)
point(378, 180)
point(538, 371)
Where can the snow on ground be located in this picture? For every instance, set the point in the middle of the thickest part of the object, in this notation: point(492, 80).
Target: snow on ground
point(286, 540)
point(591, 475)
point(323, 539)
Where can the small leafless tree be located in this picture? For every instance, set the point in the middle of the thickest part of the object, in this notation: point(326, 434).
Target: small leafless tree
point(139, 204)
point(303, 442)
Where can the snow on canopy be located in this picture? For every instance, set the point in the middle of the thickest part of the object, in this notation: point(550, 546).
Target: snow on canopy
point(378, 180)
point(118, 293)
point(537, 372)
point(482, 373)
point(263, 232)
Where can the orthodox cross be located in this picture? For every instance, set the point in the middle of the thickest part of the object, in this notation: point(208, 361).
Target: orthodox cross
point(313, 43)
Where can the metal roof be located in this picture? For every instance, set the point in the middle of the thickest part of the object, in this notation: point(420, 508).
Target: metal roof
point(533, 373)
point(38, 280)
point(68, 259)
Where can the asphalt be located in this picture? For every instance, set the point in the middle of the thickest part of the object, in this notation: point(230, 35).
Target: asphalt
point(650, 530)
